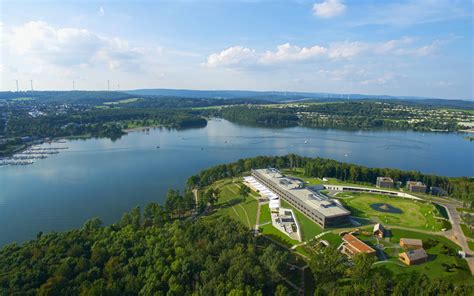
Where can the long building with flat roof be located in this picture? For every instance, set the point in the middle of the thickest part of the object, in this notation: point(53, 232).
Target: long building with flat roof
point(315, 206)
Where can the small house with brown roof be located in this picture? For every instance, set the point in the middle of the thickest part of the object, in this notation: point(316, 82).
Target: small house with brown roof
point(352, 245)
point(412, 257)
point(411, 243)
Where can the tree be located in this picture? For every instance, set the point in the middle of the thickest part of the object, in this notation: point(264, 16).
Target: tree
point(244, 191)
point(328, 264)
point(92, 224)
point(361, 267)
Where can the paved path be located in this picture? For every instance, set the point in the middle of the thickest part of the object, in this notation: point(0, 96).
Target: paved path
point(257, 220)
point(457, 235)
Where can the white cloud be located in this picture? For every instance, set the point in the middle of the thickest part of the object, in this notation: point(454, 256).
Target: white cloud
point(347, 49)
point(328, 8)
point(287, 52)
point(232, 56)
point(101, 11)
point(68, 47)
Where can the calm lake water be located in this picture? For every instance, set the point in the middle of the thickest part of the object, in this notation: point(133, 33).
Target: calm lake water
point(102, 178)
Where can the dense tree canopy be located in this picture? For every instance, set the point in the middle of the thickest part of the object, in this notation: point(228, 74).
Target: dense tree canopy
point(205, 257)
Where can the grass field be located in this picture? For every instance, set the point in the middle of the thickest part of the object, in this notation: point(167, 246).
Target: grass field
point(23, 99)
point(125, 101)
point(277, 235)
point(265, 214)
point(231, 204)
point(467, 231)
point(442, 262)
point(332, 238)
point(471, 245)
point(414, 214)
point(467, 210)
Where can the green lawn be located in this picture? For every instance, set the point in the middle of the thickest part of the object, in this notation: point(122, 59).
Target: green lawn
point(231, 204)
point(125, 101)
point(443, 262)
point(465, 210)
point(467, 231)
point(277, 235)
point(415, 214)
point(265, 214)
point(471, 245)
point(23, 99)
point(332, 238)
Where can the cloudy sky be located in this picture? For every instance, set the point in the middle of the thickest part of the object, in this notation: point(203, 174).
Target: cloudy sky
point(420, 48)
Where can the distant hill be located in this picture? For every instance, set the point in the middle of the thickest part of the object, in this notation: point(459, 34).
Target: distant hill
point(271, 95)
point(215, 96)
point(279, 96)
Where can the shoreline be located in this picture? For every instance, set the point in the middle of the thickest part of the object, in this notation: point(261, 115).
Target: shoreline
point(469, 131)
point(142, 128)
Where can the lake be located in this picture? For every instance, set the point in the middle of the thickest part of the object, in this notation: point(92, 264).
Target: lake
point(104, 178)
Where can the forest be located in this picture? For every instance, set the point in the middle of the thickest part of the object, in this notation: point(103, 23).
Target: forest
point(362, 114)
point(107, 122)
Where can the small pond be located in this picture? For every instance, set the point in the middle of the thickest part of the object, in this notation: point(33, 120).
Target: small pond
point(386, 208)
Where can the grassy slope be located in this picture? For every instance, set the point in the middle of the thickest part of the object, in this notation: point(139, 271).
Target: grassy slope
point(414, 214)
point(467, 232)
point(232, 205)
point(439, 258)
point(471, 245)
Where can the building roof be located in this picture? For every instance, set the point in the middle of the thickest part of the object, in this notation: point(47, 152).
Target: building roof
point(416, 254)
point(311, 199)
point(385, 179)
point(411, 241)
point(415, 183)
point(274, 204)
point(379, 227)
point(356, 245)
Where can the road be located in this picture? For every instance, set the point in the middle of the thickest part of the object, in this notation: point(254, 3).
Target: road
point(456, 234)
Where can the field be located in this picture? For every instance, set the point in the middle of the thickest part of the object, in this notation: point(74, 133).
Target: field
point(125, 101)
point(442, 259)
point(471, 245)
point(415, 214)
point(332, 238)
point(233, 205)
point(467, 210)
point(23, 99)
point(467, 231)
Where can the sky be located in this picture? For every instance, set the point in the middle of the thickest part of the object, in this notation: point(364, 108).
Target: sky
point(411, 48)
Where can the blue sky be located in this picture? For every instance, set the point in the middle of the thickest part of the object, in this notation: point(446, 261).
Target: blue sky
point(420, 48)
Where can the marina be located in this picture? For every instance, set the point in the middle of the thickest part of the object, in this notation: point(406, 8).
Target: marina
point(30, 155)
